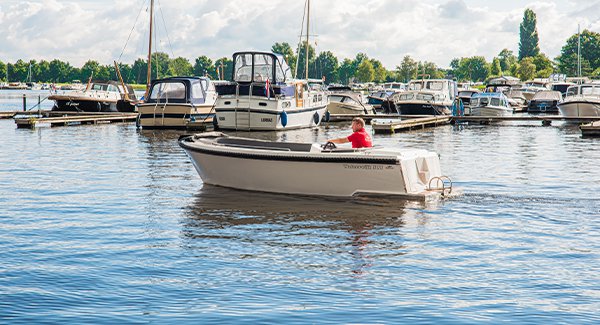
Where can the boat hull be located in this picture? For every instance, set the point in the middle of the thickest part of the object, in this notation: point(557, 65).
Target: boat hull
point(307, 174)
point(422, 109)
point(262, 114)
point(578, 108)
point(172, 115)
point(342, 108)
point(490, 111)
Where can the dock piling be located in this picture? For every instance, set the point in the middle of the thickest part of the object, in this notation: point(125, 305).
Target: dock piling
point(24, 102)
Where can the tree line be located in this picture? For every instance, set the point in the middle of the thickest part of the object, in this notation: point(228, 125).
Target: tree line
point(529, 63)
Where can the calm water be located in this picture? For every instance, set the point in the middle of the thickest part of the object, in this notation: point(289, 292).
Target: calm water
point(105, 224)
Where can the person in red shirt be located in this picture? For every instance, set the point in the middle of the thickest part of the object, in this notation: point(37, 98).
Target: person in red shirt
point(359, 138)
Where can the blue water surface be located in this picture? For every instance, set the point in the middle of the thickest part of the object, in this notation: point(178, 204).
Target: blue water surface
point(108, 224)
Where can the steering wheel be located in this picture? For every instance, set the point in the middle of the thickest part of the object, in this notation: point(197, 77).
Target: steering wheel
point(329, 146)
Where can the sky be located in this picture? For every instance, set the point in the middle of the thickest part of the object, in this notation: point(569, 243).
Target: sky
point(387, 30)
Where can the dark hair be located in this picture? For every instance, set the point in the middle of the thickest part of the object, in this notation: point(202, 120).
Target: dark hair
point(359, 120)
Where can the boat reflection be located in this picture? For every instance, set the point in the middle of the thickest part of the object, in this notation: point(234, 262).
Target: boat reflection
point(357, 230)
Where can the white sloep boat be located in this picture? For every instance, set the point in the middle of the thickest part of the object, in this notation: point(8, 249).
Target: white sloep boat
point(310, 169)
point(581, 100)
point(490, 104)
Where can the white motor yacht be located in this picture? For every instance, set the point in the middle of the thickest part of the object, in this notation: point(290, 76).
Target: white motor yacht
point(581, 100)
point(311, 169)
point(490, 104)
point(262, 96)
point(174, 102)
point(98, 96)
point(342, 100)
point(427, 97)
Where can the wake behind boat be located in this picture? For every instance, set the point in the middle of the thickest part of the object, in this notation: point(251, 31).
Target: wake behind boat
point(310, 169)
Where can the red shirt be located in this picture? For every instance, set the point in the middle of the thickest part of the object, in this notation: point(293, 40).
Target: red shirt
point(360, 139)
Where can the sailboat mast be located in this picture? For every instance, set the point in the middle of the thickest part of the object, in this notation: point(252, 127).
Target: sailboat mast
point(149, 75)
point(578, 51)
point(307, 29)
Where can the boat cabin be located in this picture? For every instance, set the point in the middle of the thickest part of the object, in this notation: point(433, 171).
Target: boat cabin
point(194, 90)
point(584, 90)
point(490, 99)
point(111, 86)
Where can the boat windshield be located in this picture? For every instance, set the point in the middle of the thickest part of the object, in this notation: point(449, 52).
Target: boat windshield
point(421, 96)
point(335, 98)
point(406, 96)
point(198, 89)
point(495, 102)
point(258, 67)
point(435, 85)
point(166, 90)
point(590, 90)
point(104, 87)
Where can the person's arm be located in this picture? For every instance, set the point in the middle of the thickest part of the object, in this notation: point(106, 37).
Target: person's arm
point(339, 140)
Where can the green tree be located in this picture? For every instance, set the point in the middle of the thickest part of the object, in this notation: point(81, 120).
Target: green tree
point(3, 71)
point(225, 66)
point(431, 69)
point(407, 69)
point(346, 71)
point(380, 71)
point(182, 67)
point(20, 70)
point(329, 66)
point(590, 57)
point(60, 71)
point(543, 65)
point(160, 65)
point(90, 68)
point(302, 61)
point(139, 72)
point(496, 69)
point(43, 71)
point(288, 53)
point(365, 71)
point(203, 66)
point(473, 69)
point(526, 68)
point(507, 59)
point(529, 40)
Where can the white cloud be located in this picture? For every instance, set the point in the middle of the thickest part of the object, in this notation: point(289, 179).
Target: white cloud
point(387, 30)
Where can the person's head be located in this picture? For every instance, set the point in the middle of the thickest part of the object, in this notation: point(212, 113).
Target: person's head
point(357, 124)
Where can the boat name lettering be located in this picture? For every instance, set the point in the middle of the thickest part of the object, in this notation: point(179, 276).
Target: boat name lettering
point(221, 118)
point(266, 119)
point(365, 167)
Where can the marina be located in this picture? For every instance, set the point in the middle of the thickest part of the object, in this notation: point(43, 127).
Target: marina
point(387, 164)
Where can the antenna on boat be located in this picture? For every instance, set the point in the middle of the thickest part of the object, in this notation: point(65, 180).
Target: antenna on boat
point(149, 75)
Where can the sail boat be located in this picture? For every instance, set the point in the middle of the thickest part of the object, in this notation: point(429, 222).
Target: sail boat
point(172, 103)
point(264, 96)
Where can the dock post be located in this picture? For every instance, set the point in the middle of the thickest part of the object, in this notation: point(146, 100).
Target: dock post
point(24, 102)
point(39, 104)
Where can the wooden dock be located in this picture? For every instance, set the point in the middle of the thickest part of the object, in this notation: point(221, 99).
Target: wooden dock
point(545, 119)
point(369, 117)
point(78, 119)
point(590, 129)
point(405, 124)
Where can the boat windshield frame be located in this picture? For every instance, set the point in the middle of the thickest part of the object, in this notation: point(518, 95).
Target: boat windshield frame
point(251, 67)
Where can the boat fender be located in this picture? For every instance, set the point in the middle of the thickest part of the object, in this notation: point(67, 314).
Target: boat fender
point(137, 121)
point(215, 122)
point(316, 118)
point(284, 118)
point(326, 116)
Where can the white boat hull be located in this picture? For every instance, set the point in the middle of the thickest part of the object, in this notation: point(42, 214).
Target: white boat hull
point(579, 108)
point(370, 172)
point(172, 115)
point(343, 108)
point(264, 114)
point(490, 111)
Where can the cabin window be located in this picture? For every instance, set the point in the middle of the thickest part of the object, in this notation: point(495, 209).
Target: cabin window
point(168, 90)
point(263, 67)
point(334, 98)
point(406, 96)
point(435, 85)
point(495, 102)
point(197, 90)
point(424, 97)
point(112, 88)
point(99, 87)
point(243, 68)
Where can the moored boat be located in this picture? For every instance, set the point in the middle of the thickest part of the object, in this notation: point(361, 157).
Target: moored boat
point(174, 102)
point(426, 97)
point(490, 104)
point(99, 96)
point(342, 100)
point(311, 169)
point(545, 101)
point(581, 100)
